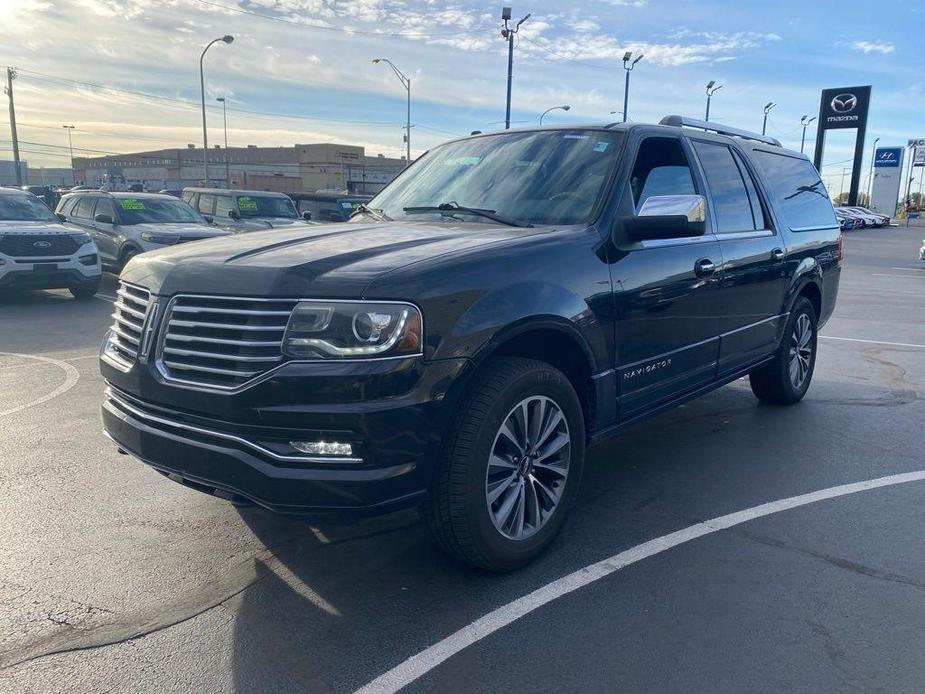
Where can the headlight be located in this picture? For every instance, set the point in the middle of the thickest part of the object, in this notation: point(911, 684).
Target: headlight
point(81, 238)
point(353, 330)
point(164, 239)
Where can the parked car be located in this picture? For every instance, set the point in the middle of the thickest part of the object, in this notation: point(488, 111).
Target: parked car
point(326, 206)
point(922, 251)
point(848, 222)
point(126, 224)
point(244, 210)
point(867, 220)
point(506, 301)
point(880, 220)
point(46, 194)
point(37, 251)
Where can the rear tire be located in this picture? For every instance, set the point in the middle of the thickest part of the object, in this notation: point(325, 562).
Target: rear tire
point(491, 505)
point(85, 291)
point(785, 380)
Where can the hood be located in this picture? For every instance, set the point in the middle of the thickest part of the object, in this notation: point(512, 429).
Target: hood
point(249, 224)
point(184, 229)
point(24, 227)
point(325, 260)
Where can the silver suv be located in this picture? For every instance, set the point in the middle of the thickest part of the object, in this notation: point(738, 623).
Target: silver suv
point(126, 224)
point(37, 251)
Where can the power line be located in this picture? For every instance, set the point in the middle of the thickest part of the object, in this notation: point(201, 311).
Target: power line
point(322, 27)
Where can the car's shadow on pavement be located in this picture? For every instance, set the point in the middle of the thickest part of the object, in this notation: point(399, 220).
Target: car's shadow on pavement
point(337, 606)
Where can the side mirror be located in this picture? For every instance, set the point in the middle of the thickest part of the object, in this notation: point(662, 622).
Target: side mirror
point(103, 219)
point(61, 217)
point(307, 215)
point(667, 217)
point(234, 214)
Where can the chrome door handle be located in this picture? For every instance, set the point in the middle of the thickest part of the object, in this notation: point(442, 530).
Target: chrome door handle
point(778, 254)
point(704, 267)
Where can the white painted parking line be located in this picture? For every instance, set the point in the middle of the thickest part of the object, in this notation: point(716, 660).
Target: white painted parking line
point(872, 342)
point(909, 269)
point(881, 274)
point(105, 297)
point(425, 661)
point(71, 376)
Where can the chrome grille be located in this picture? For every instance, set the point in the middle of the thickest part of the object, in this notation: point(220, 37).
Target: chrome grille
point(128, 321)
point(222, 341)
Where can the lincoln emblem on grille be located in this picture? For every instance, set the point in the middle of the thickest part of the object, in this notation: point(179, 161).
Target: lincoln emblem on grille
point(42, 244)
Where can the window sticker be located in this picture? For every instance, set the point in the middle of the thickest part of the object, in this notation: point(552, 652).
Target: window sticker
point(576, 137)
point(131, 204)
point(245, 204)
point(601, 146)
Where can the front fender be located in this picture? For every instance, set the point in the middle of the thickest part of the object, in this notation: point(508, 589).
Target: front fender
point(506, 312)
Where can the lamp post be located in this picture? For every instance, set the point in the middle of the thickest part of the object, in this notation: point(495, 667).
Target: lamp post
point(564, 107)
point(804, 122)
point(712, 88)
point(508, 34)
point(841, 188)
point(227, 38)
point(225, 127)
point(70, 146)
point(767, 109)
point(870, 175)
point(406, 82)
point(628, 66)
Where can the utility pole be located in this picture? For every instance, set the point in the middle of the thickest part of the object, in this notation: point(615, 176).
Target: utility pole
point(767, 109)
point(225, 126)
point(406, 83)
point(10, 76)
point(70, 145)
point(712, 87)
point(626, 86)
point(805, 121)
point(841, 189)
point(870, 175)
point(508, 33)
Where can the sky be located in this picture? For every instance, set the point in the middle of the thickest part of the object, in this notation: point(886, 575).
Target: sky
point(125, 72)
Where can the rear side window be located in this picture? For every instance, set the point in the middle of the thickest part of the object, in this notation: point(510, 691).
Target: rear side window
point(84, 209)
point(731, 204)
point(797, 189)
point(223, 206)
point(67, 206)
point(660, 169)
point(206, 203)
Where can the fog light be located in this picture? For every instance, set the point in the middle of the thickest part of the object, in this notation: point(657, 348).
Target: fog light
point(333, 448)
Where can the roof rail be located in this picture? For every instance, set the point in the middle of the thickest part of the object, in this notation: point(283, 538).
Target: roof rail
point(717, 128)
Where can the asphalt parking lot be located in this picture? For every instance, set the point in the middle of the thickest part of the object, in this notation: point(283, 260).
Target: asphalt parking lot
point(113, 579)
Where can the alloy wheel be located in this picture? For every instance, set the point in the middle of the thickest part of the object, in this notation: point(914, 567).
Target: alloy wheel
point(801, 350)
point(528, 467)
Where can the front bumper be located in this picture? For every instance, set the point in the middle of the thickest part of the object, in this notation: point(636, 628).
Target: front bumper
point(33, 272)
point(242, 449)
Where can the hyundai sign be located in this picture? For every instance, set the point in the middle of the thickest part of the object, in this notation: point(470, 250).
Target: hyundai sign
point(888, 157)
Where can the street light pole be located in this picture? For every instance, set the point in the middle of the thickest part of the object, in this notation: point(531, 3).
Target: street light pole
point(406, 82)
point(626, 87)
point(870, 174)
point(712, 88)
point(225, 127)
point(508, 34)
point(841, 188)
point(70, 146)
point(804, 122)
point(767, 109)
point(564, 107)
point(227, 38)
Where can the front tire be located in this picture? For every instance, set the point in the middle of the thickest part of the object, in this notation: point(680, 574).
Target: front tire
point(85, 291)
point(510, 465)
point(785, 380)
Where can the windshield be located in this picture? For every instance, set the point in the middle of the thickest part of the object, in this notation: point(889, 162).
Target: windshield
point(24, 208)
point(266, 206)
point(156, 210)
point(546, 177)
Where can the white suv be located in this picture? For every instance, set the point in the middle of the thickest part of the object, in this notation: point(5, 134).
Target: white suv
point(37, 251)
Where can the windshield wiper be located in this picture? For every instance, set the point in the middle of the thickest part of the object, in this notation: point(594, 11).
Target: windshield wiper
point(456, 207)
point(378, 215)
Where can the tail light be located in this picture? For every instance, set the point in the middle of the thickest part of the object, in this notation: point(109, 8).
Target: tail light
point(840, 249)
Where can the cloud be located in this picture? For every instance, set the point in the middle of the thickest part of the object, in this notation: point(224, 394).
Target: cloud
point(872, 47)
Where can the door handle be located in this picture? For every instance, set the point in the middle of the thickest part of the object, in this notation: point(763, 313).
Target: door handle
point(778, 254)
point(704, 267)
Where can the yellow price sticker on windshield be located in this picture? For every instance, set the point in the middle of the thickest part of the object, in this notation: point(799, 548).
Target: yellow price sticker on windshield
point(131, 204)
point(245, 204)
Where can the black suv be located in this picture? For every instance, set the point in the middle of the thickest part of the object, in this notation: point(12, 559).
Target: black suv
point(506, 301)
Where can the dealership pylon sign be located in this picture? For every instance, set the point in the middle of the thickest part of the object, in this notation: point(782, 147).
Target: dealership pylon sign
point(844, 107)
